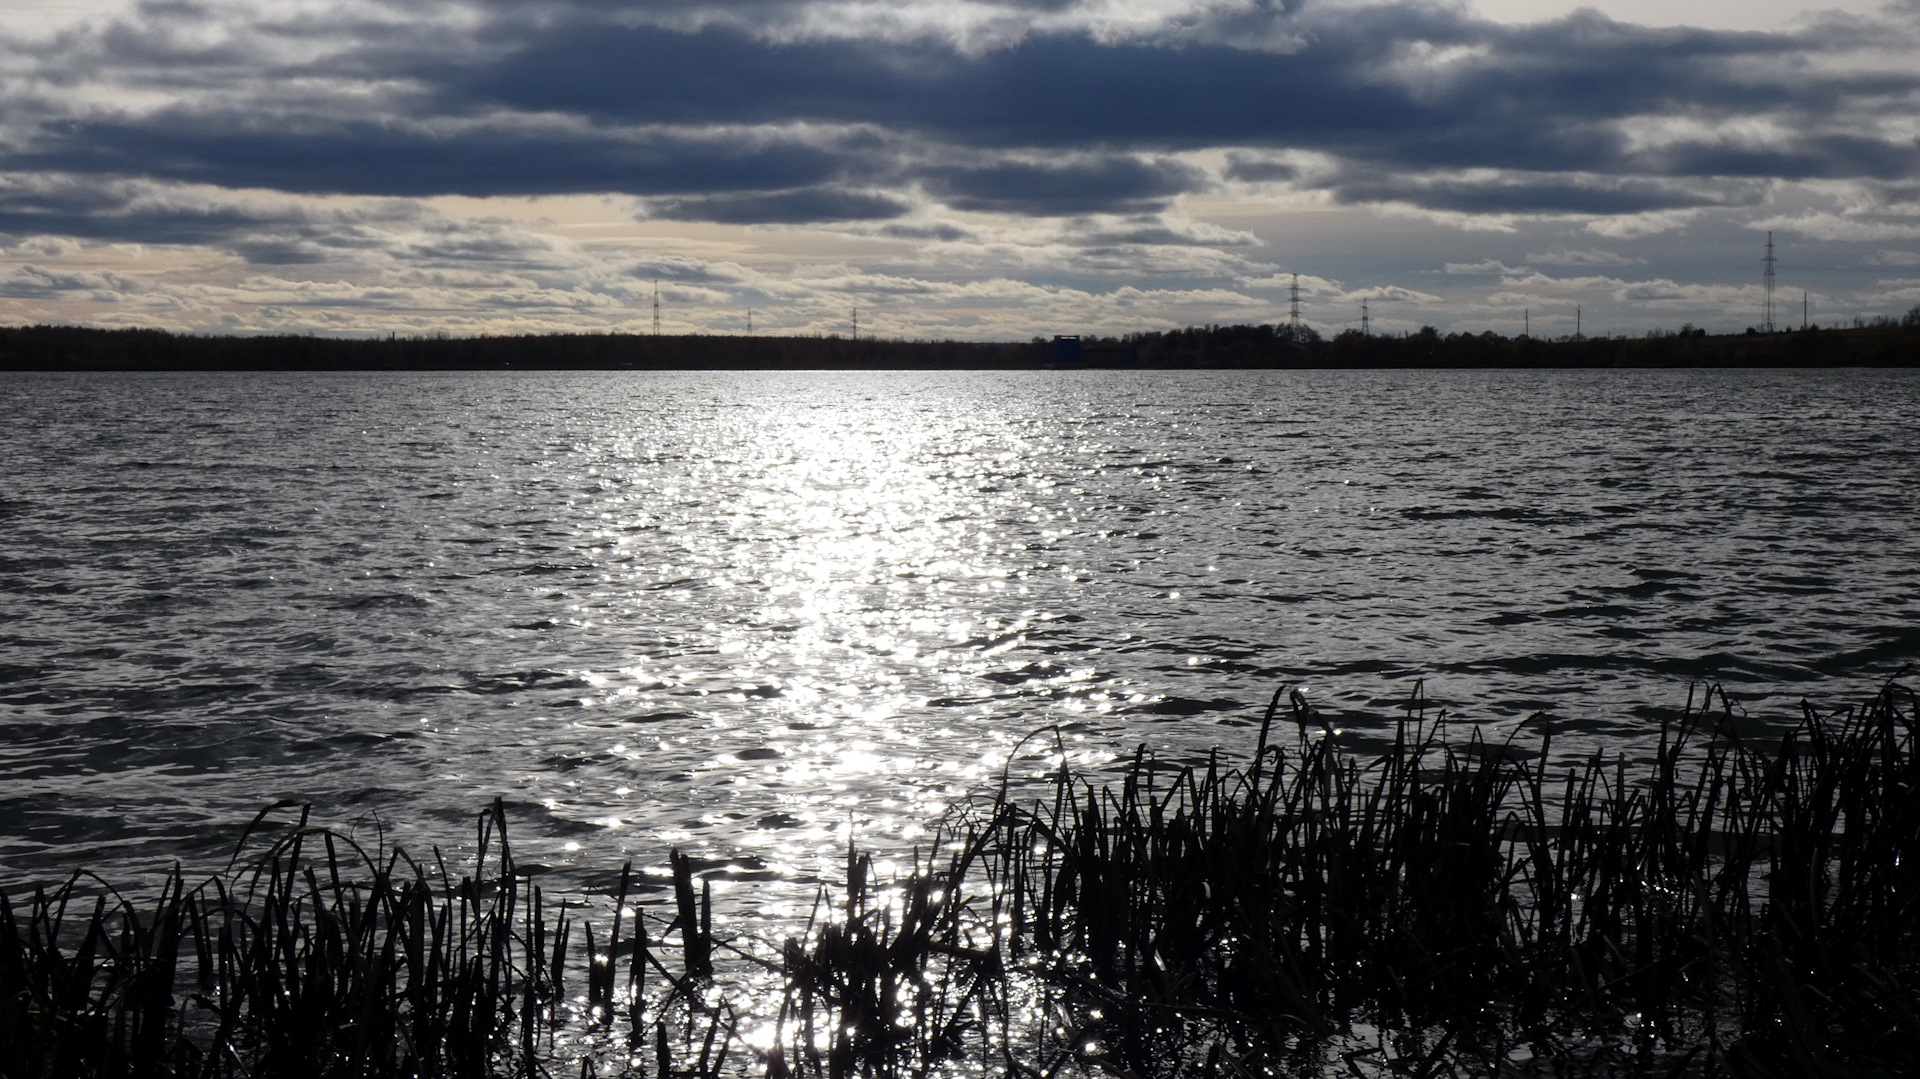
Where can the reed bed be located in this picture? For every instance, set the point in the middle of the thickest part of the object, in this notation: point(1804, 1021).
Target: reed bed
point(317, 958)
point(1459, 907)
point(1444, 907)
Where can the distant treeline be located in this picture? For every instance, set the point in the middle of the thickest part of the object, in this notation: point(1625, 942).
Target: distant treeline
point(70, 348)
point(1884, 342)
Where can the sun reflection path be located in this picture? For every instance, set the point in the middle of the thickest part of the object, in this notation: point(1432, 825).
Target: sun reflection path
point(858, 591)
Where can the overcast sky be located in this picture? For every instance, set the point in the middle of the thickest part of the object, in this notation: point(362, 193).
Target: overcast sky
point(954, 168)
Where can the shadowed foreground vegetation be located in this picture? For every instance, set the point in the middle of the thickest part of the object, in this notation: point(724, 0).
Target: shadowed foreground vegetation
point(1882, 342)
point(1448, 907)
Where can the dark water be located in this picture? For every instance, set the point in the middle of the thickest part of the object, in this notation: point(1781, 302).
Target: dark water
point(745, 613)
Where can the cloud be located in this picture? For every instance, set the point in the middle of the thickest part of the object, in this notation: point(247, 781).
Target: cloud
point(1592, 256)
point(1897, 294)
point(1494, 192)
point(1248, 168)
point(1109, 184)
point(1664, 294)
point(1374, 86)
point(1487, 266)
point(1160, 230)
point(284, 163)
point(1395, 293)
point(938, 231)
point(49, 246)
point(1073, 107)
point(499, 155)
point(264, 229)
point(807, 205)
point(1826, 225)
point(1635, 226)
point(31, 281)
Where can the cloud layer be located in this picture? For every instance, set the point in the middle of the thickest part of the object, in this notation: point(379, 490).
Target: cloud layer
point(1029, 140)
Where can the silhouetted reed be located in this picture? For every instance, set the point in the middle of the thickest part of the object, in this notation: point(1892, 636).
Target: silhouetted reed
point(1447, 906)
point(316, 958)
point(1463, 907)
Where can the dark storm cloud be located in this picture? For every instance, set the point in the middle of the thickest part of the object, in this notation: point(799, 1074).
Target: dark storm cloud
point(1060, 91)
point(31, 282)
point(270, 233)
point(1532, 97)
point(1547, 194)
point(1812, 157)
point(1110, 184)
point(1255, 170)
point(408, 159)
point(780, 207)
point(943, 232)
point(87, 209)
point(710, 118)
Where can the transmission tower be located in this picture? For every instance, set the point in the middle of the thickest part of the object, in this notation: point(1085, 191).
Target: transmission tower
point(656, 308)
point(1293, 303)
point(1364, 330)
point(856, 322)
point(1576, 322)
point(1766, 324)
point(749, 322)
point(1526, 321)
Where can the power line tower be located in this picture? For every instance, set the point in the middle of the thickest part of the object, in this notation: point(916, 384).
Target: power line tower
point(856, 322)
point(1803, 309)
point(656, 308)
point(1576, 322)
point(1365, 330)
point(749, 322)
point(1526, 321)
point(1766, 324)
point(1293, 303)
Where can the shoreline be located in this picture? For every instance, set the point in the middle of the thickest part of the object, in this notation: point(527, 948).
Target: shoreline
point(1888, 343)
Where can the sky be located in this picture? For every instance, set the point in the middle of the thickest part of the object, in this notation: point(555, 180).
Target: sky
point(976, 169)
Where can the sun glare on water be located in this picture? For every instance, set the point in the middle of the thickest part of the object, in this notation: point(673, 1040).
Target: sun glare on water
point(854, 588)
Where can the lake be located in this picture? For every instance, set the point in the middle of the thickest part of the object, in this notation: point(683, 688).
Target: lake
point(752, 614)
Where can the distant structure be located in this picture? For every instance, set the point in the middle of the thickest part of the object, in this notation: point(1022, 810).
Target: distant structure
point(1526, 322)
point(1365, 331)
point(1066, 348)
point(1576, 322)
point(1803, 309)
point(856, 322)
point(656, 308)
point(749, 322)
point(1766, 323)
point(1293, 303)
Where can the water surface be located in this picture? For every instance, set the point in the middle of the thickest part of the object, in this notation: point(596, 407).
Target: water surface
point(749, 613)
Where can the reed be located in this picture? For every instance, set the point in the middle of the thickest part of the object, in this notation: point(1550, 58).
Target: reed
point(317, 958)
point(1445, 906)
point(1738, 908)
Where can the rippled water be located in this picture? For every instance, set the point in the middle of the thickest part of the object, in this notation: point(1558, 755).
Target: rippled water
point(745, 613)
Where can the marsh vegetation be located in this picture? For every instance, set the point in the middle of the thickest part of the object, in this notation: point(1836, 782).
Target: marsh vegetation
point(1736, 906)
